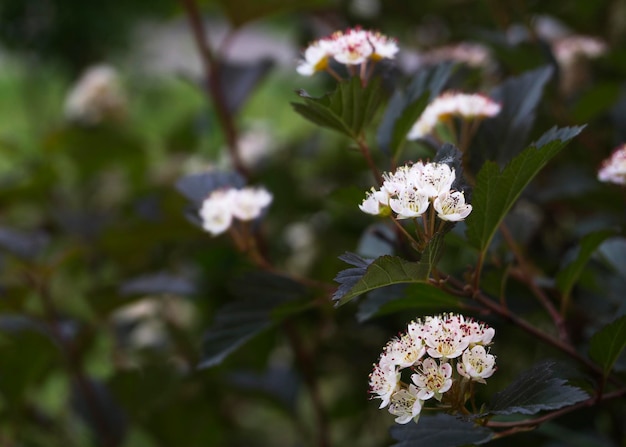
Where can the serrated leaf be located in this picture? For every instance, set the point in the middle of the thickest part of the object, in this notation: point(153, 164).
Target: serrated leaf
point(568, 276)
point(535, 390)
point(400, 297)
point(406, 106)
point(383, 271)
point(261, 297)
point(608, 343)
point(503, 136)
point(496, 191)
point(441, 430)
point(349, 109)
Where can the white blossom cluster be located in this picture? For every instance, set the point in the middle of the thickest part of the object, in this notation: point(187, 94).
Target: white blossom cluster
point(452, 104)
point(439, 351)
point(569, 48)
point(222, 206)
point(613, 169)
point(96, 97)
point(354, 46)
point(409, 191)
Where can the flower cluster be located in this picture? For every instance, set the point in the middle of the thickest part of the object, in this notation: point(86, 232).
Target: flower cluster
point(409, 191)
point(444, 354)
point(452, 104)
point(223, 205)
point(96, 97)
point(354, 46)
point(613, 169)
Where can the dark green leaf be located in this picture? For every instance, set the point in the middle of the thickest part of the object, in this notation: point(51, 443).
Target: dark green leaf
point(596, 101)
point(613, 251)
point(94, 403)
point(503, 136)
point(263, 297)
point(607, 344)
point(535, 390)
point(406, 106)
point(158, 283)
point(496, 191)
point(238, 80)
point(399, 297)
point(349, 109)
point(383, 271)
point(568, 276)
point(441, 430)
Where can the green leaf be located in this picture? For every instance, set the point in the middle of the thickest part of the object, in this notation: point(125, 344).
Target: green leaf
point(399, 297)
point(535, 390)
point(441, 430)
point(383, 271)
point(264, 300)
point(496, 191)
point(502, 137)
point(607, 344)
point(568, 276)
point(349, 109)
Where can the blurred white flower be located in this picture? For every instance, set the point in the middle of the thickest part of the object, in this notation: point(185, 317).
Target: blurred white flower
point(613, 169)
point(354, 46)
point(453, 104)
point(568, 49)
point(96, 97)
point(223, 205)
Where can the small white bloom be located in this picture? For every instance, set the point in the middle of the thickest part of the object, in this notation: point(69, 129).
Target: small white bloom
point(96, 97)
point(372, 202)
point(451, 206)
point(453, 104)
point(315, 58)
point(569, 48)
point(405, 405)
point(409, 204)
point(384, 380)
point(384, 47)
point(351, 47)
point(216, 211)
point(404, 351)
point(436, 179)
point(432, 380)
point(445, 342)
point(476, 364)
point(248, 203)
point(613, 169)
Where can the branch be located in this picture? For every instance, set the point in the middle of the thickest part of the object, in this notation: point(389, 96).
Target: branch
point(212, 82)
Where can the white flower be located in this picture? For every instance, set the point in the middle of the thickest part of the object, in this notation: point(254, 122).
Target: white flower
point(452, 104)
point(436, 179)
point(473, 54)
point(96, 97)
point(476, 364)
point(445, 342)
point(409, 204)
point(373, 201)
point(569, 48)
point(315, 57)
point(384, 47)
point(405, 405)
point(403, 352)
point(216, 211)
point(432, 380)
point(351, 47)
point(247, 203)
point(451, 206)
point(384, 381)
point(613, 169)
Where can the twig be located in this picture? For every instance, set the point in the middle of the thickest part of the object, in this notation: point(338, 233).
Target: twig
point(527, 278)
point(212, 69)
